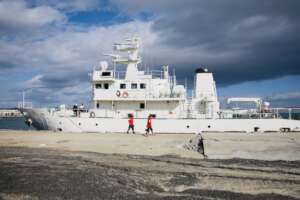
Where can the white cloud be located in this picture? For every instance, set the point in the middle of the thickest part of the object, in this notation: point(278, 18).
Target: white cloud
point(16, 14)
point(61, 62)
point(285, 96)
point(71, 5)
point(73, 49)
point(34, 81)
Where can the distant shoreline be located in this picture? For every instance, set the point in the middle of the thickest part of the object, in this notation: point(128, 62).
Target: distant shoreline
point(10, 112)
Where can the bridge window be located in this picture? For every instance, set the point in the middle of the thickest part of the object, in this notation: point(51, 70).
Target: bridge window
point(142, 105)
point(122, 86)
point(142, 86)
point(106, 86)
point(98, 86)
point(106, 74)
point(133, 85)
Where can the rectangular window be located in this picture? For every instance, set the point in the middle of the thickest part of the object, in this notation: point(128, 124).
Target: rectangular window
point(106, 86)
point(105, 73)
point(142, 105)
point(133, 85)
point(142, 86)
point(122, 86)
point(98, 86)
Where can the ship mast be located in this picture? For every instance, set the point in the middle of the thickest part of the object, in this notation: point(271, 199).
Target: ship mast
point(132, 59)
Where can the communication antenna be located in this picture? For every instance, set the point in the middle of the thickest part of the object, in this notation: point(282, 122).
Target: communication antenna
point(114, 68)
point(174, 77)
point(23, 103)
point(185, 85)
point(23, 98)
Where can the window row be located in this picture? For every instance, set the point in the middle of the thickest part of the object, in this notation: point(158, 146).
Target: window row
point(122, 86)
point(142, 105)
point(102, 86)
point(133, 86)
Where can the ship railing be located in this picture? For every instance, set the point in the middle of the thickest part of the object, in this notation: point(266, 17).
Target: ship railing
point(270, 113)
point(288, 112)
point(135, 96)
point(23, 104)
point(119, 74)
point(154, 74)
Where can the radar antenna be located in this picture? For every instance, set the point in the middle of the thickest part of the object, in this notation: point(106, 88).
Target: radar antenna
point(132, 59)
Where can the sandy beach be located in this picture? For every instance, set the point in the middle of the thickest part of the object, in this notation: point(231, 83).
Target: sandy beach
point(49, 165)
point(261, 146)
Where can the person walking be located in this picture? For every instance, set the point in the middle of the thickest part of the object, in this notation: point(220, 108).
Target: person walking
point(149, 125)
point(130, 124)
point(75, 110)
point(80, 109)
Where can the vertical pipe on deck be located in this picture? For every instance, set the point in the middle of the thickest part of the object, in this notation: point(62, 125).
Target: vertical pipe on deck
point(290, 113)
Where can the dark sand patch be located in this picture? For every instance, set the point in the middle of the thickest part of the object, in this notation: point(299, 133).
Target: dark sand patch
point(35, 173)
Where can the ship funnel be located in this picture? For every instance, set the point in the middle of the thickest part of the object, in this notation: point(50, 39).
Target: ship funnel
point(205, 92)
point(204, 84)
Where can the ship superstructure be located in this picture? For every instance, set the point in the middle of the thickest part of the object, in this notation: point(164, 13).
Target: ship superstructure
point(118, 94)
point(156, 92)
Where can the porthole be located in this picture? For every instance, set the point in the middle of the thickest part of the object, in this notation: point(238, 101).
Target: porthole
point(188, 126)
point(96, 124)
point(208, 126)
point(79, 123)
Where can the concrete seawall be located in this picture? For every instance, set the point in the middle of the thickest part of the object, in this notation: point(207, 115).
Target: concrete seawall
point(261, 146)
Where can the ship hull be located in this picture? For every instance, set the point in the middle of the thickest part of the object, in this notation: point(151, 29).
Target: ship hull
point(42, 119)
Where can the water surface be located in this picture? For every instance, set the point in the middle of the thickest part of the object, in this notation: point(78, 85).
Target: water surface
point(13, 123)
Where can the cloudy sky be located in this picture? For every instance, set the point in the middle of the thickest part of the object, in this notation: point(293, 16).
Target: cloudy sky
point(48, 47)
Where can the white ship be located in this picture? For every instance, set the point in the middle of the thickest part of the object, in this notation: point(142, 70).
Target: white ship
point(140, 93)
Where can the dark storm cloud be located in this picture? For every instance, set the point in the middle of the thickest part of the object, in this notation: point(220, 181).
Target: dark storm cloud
point(53, 88)
point(6, 65)
point(59, 79)
point(238, 40)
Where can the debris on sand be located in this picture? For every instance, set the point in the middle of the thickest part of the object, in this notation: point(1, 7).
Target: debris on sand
point(196, 144)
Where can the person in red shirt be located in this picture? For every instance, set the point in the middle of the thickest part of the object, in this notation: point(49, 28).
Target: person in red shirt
point(149, 125)
point(130, 124)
